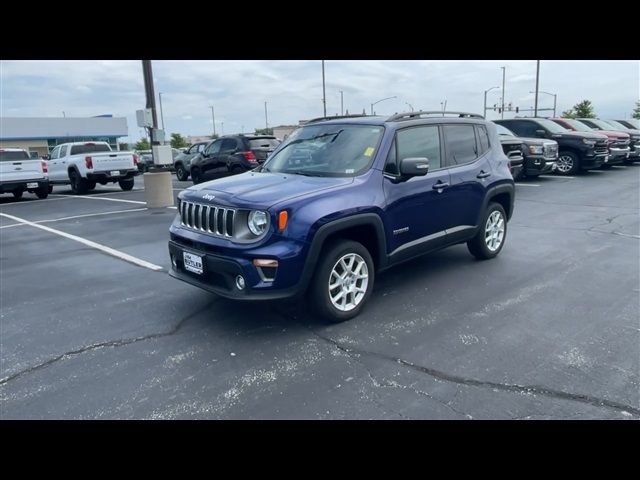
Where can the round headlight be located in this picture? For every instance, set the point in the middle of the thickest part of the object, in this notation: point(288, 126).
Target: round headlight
point(258, 222)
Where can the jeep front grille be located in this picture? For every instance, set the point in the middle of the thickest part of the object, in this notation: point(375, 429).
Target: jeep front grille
point(207, 218)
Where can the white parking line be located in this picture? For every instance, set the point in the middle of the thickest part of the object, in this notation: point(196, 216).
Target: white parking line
point(77, 216)
point(557, 177)
point(103, 248)
point(527, 184)
point(102, 198)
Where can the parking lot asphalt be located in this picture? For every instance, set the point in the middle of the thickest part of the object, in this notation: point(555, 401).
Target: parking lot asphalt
point(549, 329)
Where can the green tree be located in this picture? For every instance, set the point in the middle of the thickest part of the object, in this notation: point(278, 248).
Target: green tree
point(143, 144)
point(583, 109)
point(264, 131)
point(636, 111)
point(178, 141)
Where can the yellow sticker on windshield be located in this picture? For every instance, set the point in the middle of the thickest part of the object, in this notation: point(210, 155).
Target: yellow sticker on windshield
point(368, 152)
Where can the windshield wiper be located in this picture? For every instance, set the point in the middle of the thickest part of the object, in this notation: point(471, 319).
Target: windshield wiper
point(301, 172)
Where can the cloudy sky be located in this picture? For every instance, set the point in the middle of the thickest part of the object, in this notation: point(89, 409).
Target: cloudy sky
point(293, 89)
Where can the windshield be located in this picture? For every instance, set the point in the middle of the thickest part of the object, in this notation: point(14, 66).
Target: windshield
point(634, 122)
point(7, 156)
point(617, 125)
point(327, 151)
point(550, 125)
point(600, 123)
point(502, 130)
point(90, 147)
point(578, 125)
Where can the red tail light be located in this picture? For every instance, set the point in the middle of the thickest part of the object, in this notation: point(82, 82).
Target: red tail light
point(135, 159)
point(44, 167)
point(249, 156)
point(88, 161)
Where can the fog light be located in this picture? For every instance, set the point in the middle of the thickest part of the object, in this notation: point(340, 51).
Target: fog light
point(240, 282)
point(174, 262)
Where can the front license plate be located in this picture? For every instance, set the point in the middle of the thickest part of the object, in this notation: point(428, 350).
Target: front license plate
point(115, 173)
point(192, 263)
point(32, 185)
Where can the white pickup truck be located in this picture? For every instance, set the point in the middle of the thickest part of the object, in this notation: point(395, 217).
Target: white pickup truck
point(20, 173)
point(83, 164)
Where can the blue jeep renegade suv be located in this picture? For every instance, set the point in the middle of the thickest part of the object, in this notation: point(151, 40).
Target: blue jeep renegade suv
point(341, 200)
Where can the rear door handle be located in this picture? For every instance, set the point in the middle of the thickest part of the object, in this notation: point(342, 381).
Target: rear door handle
point(483, 174)
point(440, 185)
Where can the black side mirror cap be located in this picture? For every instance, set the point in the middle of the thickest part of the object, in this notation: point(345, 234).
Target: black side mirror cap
point(541, 133)
point(414, 166)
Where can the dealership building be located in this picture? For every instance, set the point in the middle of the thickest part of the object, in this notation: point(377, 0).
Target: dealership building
point(39, 135)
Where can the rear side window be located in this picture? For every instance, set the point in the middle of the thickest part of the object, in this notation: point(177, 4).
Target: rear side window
point(419, 142)
point(523, 128)
point(461, 144)
point(89, 148)
point(483, 139)
point(257, 143)
point(228, 145)
point(13, 156)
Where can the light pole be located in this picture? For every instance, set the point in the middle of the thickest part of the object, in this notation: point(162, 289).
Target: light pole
point(213, 119)
point(535, 110)
point(504, 72)
point(555, 98)
point(374, 103)
point(443, 105)
point(222, 128)
point(341, 102)
point(161, 114)
point(410, 106)
point(484, 112)
point(266, 119)
point(324, 96)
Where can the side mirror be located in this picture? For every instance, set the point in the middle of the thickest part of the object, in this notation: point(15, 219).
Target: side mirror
point(414, 166)
point(46, 157)
point(541, 133)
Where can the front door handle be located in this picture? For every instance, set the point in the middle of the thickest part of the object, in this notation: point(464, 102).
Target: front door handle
point(440, 185)
point(483, 174)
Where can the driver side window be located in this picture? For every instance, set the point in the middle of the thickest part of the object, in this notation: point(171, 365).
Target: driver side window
point(213, 148)
point(55, 153)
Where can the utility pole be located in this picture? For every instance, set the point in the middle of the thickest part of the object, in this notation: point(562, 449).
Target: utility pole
point(324, 96)
point(266, 119)
point(213, 119)
point(341, 102)
point(504, 71)
point(535, 111)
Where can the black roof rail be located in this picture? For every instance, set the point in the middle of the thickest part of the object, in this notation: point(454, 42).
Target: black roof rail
point(320, 119)
point(412, 115)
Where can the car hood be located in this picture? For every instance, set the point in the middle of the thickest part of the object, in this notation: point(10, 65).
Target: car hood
point(570, 134)
point(536, 141)
point(614, 133)
point(260, 190)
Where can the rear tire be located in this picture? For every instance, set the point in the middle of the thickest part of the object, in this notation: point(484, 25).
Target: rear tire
point(78, 184)
point(126, 184)
point(50, 188)
point(353, 285)
point(181, 173)
point(568, 163)
point(91, 184)
point(17, 194)
point(42, 192)
point(489, 240)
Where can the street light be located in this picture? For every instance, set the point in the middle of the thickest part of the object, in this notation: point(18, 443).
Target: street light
point(410, 106)
point(213, 119)
point(341, 102)
point(555, 98)
point(374, 103)
point(504, 72)
point(484, 112)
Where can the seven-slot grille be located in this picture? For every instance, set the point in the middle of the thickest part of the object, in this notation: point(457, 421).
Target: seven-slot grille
point(550, 150)
point(207, 218)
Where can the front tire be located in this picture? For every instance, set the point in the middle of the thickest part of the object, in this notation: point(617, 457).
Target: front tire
point(181, 173)
point(568, 163)
point(126, 184)
point(343, 281)
point(489, 240)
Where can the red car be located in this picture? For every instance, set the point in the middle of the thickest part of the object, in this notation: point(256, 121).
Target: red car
point(617, 142)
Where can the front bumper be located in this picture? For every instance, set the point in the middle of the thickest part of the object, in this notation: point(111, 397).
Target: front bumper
point(593, 160)
point(617, 156)
point(538, 165)
point(223, 261)
point(22, 185)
